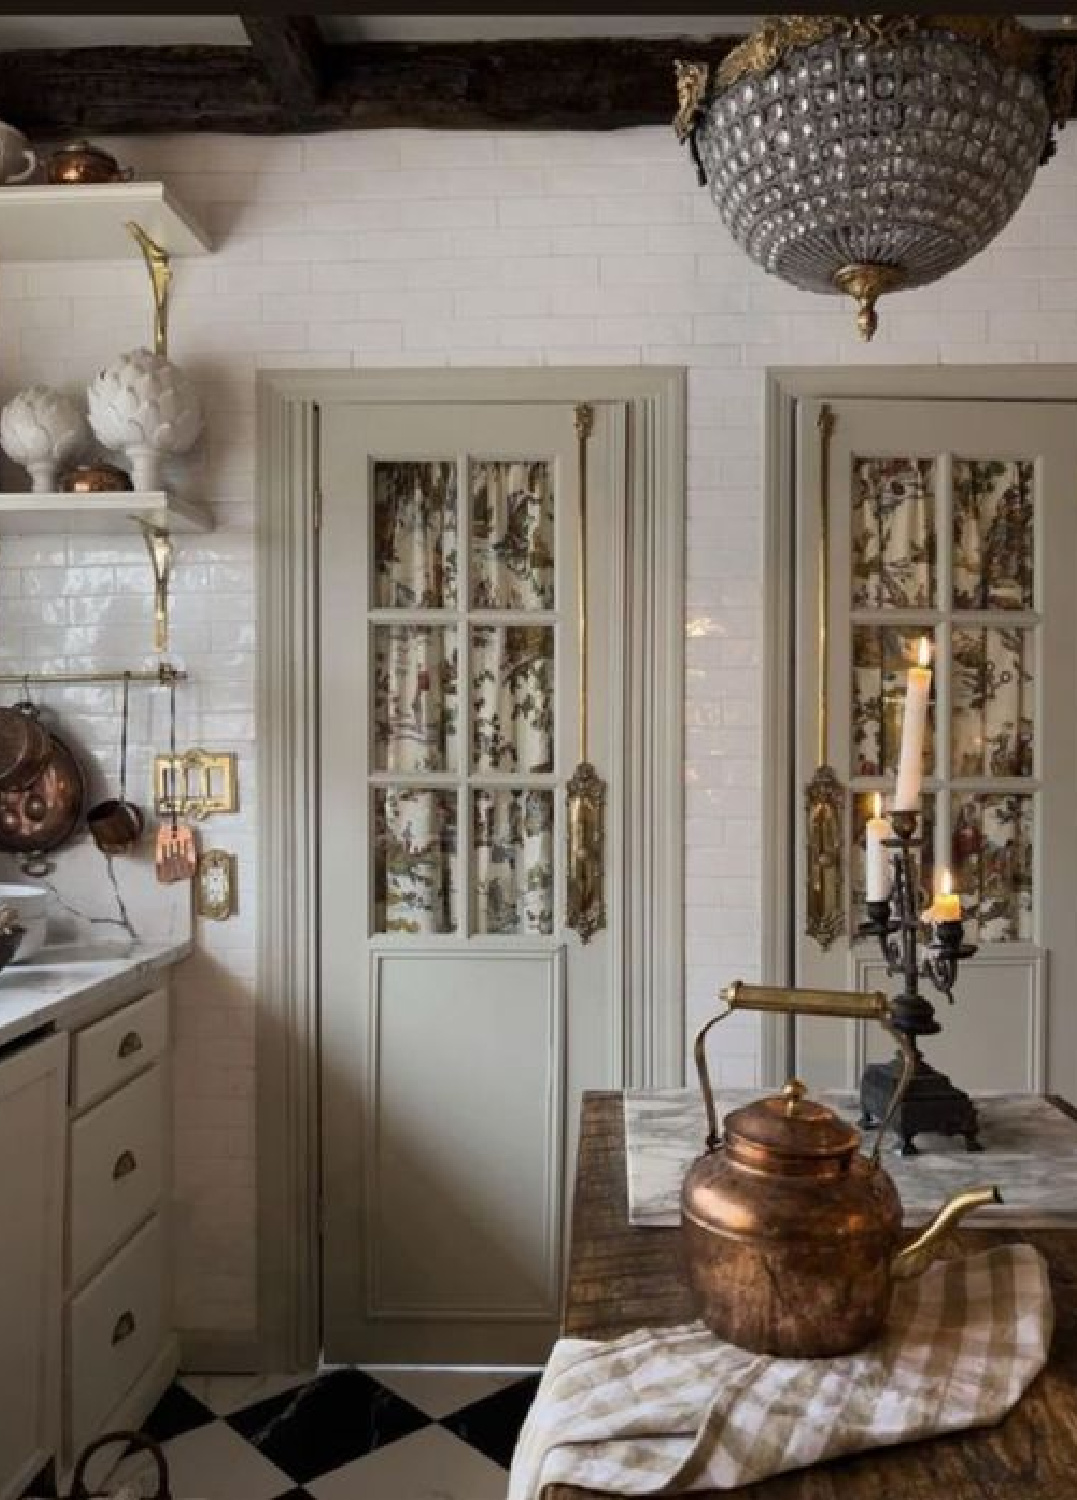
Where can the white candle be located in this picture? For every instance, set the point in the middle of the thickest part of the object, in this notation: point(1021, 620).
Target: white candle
point(913, 722)
point(877, 857)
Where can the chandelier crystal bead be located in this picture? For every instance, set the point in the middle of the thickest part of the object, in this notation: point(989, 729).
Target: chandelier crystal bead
point(869, 154)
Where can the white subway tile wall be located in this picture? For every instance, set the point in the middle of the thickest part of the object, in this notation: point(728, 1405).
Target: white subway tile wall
point(422, 248)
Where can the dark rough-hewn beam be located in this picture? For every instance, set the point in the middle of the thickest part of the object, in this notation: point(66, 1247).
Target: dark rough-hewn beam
point(578, 84)
point(289, 50)
point(549, 84)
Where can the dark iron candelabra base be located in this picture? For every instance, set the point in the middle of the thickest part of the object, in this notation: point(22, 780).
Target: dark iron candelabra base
point(933, 1105)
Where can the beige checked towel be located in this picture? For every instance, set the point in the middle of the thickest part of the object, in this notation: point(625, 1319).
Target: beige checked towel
point(677, 1409)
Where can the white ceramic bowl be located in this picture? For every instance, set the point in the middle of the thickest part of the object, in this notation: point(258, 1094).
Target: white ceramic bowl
point(29, 901)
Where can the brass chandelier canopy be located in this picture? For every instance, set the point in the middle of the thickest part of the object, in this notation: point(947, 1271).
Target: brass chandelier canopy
point(869, 154)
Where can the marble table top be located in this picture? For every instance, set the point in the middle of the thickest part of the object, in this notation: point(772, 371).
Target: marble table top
point(1030, 1154)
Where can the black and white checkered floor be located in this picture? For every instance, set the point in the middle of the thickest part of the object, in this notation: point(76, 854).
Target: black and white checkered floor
point(345, 1434)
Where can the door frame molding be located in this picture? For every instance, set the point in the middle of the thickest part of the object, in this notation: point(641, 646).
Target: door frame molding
point(650, 946)
point(782, 802)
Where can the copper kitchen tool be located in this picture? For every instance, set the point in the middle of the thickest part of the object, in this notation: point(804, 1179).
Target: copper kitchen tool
point(791, 1235)
point(177, 851)
point(116, 825)
point(24, 746)
point(43, 814)
point(81, 162)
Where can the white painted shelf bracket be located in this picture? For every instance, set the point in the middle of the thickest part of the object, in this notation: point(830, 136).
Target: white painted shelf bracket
point(159, 267)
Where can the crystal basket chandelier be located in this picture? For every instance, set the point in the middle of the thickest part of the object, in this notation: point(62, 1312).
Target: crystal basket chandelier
point(870, 154)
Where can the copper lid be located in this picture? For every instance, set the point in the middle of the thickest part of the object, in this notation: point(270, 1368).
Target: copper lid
point(85, 148)
point(789, 1133)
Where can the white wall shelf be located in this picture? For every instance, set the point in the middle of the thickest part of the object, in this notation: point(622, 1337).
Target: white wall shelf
point(101, 513)
point(89, 222)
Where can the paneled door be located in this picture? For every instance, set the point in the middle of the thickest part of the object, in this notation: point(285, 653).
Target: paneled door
point(955, 521)
point(461, 1019)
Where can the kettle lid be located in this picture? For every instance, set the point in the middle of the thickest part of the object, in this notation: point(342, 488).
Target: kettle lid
point(788, 1132)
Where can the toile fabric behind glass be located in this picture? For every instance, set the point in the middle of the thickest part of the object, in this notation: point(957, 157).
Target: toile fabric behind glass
point(418, 705)
point(986, 674)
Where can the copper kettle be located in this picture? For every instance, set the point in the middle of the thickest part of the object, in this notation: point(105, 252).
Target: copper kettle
point(792, 1236)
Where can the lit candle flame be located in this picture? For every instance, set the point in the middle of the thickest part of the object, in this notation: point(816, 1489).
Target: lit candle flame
point(946, 884)
point(923, 655)
point(878, 804)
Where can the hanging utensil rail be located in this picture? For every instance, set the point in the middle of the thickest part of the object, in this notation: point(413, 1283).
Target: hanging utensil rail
point(163, 676)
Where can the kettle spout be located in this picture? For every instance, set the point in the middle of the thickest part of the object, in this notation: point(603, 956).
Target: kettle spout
point(917, 1256)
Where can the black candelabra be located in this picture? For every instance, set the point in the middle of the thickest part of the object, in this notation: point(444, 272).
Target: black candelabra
point(932, 1103)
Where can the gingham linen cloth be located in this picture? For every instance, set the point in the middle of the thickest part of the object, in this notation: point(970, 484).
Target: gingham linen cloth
point(676, 1409)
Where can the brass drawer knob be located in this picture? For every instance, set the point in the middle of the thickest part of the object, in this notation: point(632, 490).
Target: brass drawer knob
point(130, 1043)
point(125, 1164)
point(125, 1327)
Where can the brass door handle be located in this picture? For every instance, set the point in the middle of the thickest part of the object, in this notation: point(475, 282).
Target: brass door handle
point(125, 1327)
point(130, 1043)
point(124, 1165)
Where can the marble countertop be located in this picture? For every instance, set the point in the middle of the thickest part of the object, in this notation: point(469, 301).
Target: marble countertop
point(70, 985)
point(1030, 1154)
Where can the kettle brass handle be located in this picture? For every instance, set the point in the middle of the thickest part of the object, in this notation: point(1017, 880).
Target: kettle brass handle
point(863, 1005)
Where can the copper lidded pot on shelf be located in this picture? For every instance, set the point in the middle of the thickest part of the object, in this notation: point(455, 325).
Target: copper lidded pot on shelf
point(81, 162)
point(792, 1237)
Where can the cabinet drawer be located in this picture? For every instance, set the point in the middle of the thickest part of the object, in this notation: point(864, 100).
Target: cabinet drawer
point(118, 1046)
point(115, 1327)
point(116, 1169)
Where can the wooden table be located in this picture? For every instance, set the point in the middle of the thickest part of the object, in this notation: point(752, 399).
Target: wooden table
point(622, 1278)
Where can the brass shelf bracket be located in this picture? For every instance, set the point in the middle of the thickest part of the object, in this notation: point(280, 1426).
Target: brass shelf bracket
point(160, 272)
point(161, 551)
point(586, 791)
point(824, 796)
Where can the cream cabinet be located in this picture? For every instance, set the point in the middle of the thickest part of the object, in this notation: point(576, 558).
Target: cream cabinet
point(86, 1336)
point(119, 1349)
point(32, 1101)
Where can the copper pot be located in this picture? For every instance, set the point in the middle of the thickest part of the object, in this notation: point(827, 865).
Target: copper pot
point(42, 815)
point(97, 478)
point(792, 1237)
point(81, 162)
point(25, 746)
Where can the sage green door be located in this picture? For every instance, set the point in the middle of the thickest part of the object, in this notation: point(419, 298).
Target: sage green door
point(955, 521)
point(461, 1018)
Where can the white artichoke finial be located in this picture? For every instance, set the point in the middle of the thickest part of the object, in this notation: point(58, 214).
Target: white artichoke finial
point(41, 428)
point(145, 406)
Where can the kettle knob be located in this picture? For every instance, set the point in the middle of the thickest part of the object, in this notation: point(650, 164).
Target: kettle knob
point(793, 1092)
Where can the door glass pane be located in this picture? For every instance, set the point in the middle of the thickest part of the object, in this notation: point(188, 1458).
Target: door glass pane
point(414, 860)
point(993, 534)
point(415, 707)
point(863, 807)
point(414, 535)
point(512, 697)
point(993, 851)
point(893, 533)
point(512, 862)
point(512, 555)
point(992, 698)
point(882, 656)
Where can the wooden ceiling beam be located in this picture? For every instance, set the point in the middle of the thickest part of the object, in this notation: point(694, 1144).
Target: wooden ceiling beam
point(550, 84)
point(290, 51)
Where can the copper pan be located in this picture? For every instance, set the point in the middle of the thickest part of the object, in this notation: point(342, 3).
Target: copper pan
point(41, 816)
point(25, 747)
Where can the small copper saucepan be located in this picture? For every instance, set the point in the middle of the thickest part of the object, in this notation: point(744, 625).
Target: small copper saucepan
point(116, 825)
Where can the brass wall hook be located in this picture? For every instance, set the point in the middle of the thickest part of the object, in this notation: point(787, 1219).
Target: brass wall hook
point(160, 271)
